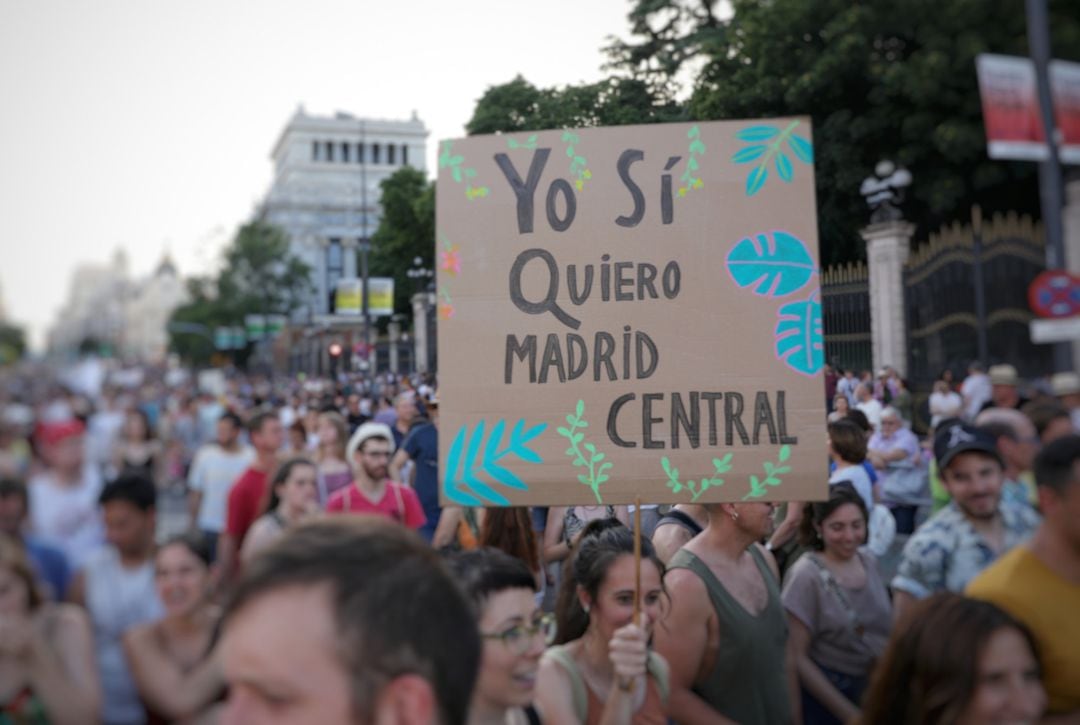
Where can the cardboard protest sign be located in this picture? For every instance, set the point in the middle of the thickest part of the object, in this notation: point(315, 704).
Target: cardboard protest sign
point(630, 311)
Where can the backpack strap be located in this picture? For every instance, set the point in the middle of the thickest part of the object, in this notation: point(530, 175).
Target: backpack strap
point(577, 681)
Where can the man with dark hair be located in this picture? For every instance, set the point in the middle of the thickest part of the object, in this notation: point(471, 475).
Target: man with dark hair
point(372, 491)
point(969, 534)
point(49, 561)
point(117, 589)
point(249, 494)
point(216, 468)
point(1039, 583)
point(377, 631)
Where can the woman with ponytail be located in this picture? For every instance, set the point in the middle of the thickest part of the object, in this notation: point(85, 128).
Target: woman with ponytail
point(602, 670)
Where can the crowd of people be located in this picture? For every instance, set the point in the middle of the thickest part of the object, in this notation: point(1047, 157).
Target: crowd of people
point(253, 550)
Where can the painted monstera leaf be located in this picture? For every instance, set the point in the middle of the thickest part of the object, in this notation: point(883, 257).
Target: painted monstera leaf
point(771, 265)
point(800, 341)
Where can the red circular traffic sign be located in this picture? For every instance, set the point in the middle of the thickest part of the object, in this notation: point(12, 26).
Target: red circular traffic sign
point(1055, 293)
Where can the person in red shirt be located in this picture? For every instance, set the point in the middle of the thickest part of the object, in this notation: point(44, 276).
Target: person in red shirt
point(371, 490)
point(250, 493)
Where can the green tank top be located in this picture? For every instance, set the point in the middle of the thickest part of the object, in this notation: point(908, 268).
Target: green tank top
point(748, 683)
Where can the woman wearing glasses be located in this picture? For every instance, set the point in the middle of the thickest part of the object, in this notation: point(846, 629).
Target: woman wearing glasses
point(602, 670)
point(514, 631)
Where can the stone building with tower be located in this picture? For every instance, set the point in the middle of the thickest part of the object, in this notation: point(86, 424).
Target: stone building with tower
point(326, 196)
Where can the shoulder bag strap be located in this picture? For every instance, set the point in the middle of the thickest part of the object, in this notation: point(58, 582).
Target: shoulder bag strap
point(831, 585)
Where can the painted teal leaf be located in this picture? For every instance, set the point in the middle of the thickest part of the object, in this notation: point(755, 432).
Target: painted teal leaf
point(694, 132)
point(563, 431)
point(599, 457)
point(749, 153)
point(569, 451)
point(491, 458)
point(584, 479)
point(692, 164)
point(600, 478)
point(456, 160)
point(511, 143)
point(569, 152)
point(771, 267)
point(756, 180)
point(799, 339)
point(757, 133)
point(566, 135)
point(571, 419)
point(580, 408)
point(590, 448)
point(697, 147)
point(785, 453)
point(783, 166)
point(456, 172)
point(577, 437)
point(531, 139)
point(453, 460)
point(802, 148)
point(606, 466)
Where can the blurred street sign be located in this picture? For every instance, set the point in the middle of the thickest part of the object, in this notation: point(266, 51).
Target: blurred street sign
point(1055, 293)
point(1061, 330)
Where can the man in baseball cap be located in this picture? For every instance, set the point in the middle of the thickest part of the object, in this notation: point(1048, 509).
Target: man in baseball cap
point(969, 534)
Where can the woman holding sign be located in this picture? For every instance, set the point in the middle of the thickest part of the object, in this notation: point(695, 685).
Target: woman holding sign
point(602, 670)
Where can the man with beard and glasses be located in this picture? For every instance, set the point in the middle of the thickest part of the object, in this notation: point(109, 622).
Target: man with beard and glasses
point(725, 635)
point(969, 534)
point(371, 490)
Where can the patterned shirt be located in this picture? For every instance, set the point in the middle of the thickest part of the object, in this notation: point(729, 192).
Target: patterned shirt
point(946, 552)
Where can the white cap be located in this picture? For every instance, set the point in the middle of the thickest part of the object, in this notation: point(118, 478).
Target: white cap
point(370, 429)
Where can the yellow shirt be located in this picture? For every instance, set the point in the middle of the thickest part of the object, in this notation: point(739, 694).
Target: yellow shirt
point(1050, 606)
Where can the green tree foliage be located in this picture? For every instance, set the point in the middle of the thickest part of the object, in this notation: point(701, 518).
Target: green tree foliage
point(258, 276)
point(406, 231)
point(521, 106)
point(12, 343)
point(880, 80)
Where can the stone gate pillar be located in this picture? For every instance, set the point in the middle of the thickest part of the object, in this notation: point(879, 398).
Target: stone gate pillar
point(887, 247)
point(420, 330)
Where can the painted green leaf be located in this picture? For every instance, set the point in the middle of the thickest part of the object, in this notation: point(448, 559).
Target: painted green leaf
point(563, 431)
point(694, 132)
point(456, 171)
point(599, 457)
point(511, 143)
point(577, 438)
point(756, 180)
point(579, 409)
point(531, 139)
point(785, 453)
point(470, 173)
point(571, 419)
point(692, 164)
point(697, 147)
point(584, 479)
point(569, 152)
point(749, 153)
point(590, 448)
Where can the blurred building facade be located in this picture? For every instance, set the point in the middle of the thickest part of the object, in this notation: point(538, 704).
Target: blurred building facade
point(326, 190)
point(109, 311)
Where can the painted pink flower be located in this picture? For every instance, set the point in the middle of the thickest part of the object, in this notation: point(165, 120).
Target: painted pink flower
point(446, 311)
point(451, 262)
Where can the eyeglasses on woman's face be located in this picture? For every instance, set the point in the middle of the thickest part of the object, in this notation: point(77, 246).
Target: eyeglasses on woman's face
point(520, 637)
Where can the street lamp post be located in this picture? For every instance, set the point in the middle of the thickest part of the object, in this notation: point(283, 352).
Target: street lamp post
point(424, 278)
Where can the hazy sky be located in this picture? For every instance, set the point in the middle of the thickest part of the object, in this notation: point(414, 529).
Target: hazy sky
point(148, 124)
